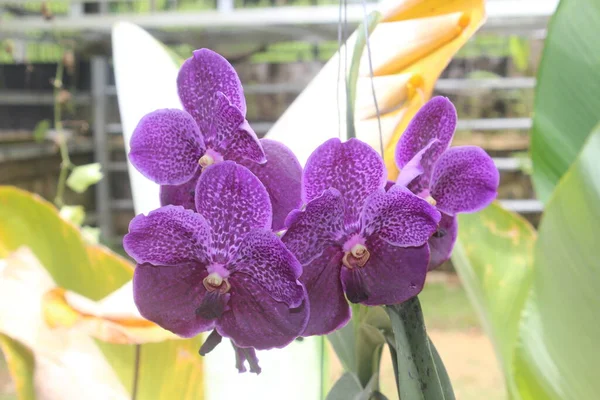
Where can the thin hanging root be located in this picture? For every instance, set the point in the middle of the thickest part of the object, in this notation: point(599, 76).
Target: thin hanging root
point(368, 44)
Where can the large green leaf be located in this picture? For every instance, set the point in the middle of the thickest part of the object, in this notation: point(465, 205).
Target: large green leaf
point(94, 272)
point(566, 102)
point(28, 220)
point(21, 365)
point(558, 352)
point(167, 370)
point(115, 270)
point(494, 257)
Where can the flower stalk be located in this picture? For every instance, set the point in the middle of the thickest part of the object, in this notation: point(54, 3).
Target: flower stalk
point(419, 373)
point(65, 164)
point(136, 372)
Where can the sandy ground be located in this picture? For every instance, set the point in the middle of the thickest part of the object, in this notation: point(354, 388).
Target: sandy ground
point(469, 358)
point(471, 363)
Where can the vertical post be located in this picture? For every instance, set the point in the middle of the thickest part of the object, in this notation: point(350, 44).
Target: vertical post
point(103, 7)
point(99, 72)
point(75, 9)
point(225, 5)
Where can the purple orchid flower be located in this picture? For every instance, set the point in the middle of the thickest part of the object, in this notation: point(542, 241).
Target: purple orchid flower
point(220, 267)
point(353, 237)
point(455, 180)
point(172, 147)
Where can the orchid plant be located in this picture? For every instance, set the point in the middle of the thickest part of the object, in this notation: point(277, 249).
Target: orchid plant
point(252, 247)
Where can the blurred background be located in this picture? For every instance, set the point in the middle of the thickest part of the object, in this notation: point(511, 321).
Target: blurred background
point(276, 50)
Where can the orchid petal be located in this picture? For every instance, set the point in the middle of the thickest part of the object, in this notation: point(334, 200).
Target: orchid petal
point(282, 177)
point(228, 132)
point(329, 309)
point(166, 146)
point(257, 320)
point(263, 257)
point(392, 275)
point(234, 202)
point(243, 144)
point(222, 120)
point(413, 168)
point(200, 78)
point(442, 241)
point(168, 236)
point(399, 217)
point(465, 179)
point(170, 296)
point(180, 195)
point(353, 168)
point(389, 185)
point(435, 120)
point(319, 226)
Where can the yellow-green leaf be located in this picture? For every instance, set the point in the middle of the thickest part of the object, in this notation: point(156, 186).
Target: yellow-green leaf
point(73, 214)
point(90, 234)
point(168, 370)
point(494, 257)
point(558, 352)
point(28, 220)
point(94, 272)
point(20, 365)
point(113, 269)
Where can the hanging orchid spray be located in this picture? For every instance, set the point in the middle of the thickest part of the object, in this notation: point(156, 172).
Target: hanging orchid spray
point(252, 247)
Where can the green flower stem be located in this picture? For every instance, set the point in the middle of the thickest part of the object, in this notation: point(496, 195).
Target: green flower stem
point(61, 140)
point(136, 372)
point(420, 373)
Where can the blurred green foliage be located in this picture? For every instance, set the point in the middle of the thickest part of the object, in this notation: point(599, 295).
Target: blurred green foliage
point(537, 296)
point(566, 100)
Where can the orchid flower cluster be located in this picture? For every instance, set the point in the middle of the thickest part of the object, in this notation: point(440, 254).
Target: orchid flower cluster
point(258, 250)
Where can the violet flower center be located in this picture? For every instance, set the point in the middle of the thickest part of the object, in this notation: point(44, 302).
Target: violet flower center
point(217, 287)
